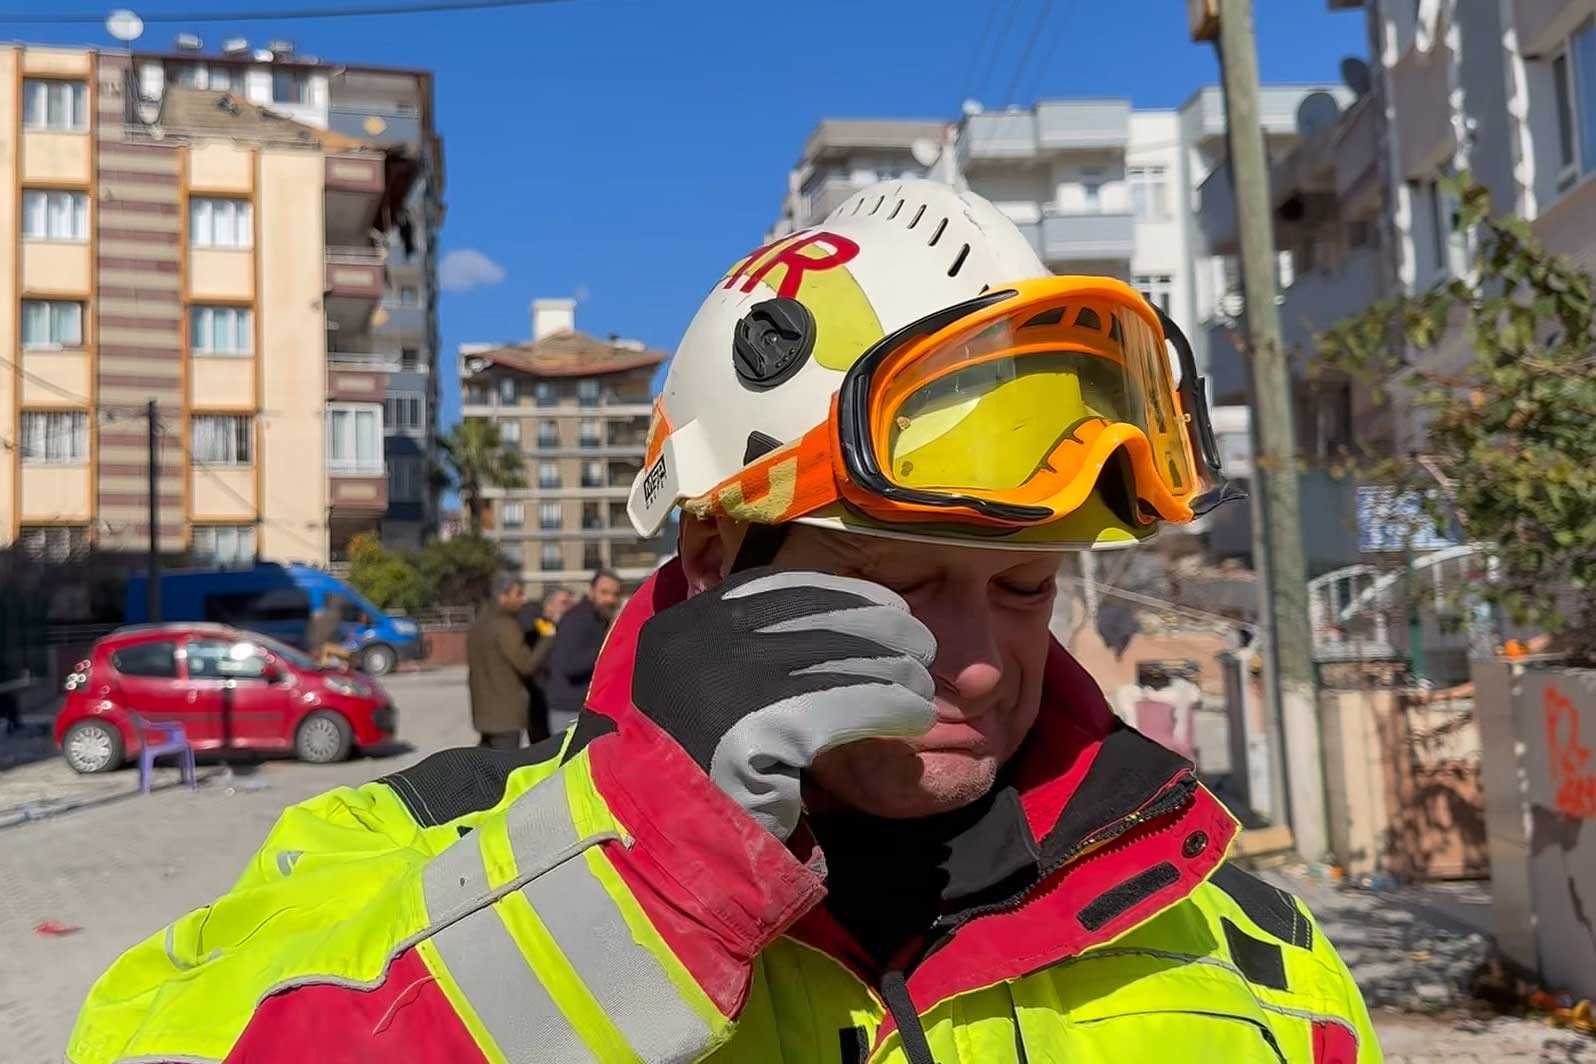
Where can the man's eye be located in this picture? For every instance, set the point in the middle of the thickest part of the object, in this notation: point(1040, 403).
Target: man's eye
point(1028, 589)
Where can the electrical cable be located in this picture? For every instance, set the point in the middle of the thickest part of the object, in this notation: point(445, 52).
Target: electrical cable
point(975, 53)
point(1035, 84)
point(27, 18)
point(173, 433)
point(997, 46)
point(1025, 54)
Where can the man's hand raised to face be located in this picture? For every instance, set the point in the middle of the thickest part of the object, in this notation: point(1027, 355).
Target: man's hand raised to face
point(759, 675)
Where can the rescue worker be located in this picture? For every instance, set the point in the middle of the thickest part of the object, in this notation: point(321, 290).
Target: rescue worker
point(836, 794)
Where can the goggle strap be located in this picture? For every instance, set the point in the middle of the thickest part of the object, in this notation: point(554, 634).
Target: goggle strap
point(788, 483)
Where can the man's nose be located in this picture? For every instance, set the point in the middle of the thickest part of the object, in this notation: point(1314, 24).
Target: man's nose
point(969, 662)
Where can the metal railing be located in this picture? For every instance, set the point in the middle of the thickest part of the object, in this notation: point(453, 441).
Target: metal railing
point(1351, 608)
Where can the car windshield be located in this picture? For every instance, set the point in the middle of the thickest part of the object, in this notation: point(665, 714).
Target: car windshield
point(298, 658)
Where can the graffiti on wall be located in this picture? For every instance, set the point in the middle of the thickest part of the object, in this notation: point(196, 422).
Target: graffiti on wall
point(1573, 774)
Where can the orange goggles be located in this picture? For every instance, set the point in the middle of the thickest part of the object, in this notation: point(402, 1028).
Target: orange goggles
point(1001, 413)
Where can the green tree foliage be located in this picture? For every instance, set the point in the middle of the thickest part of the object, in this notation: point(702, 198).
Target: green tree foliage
point(1510, 433)
point(452, 572)
point(477, 459)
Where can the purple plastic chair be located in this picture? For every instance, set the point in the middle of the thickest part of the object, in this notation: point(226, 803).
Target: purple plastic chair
point(157, 738)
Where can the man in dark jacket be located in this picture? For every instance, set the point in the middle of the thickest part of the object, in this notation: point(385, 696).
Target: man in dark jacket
point(576, 648)
point(500, 663)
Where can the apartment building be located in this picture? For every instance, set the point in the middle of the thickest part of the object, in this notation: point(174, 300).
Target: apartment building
point(180, 243)
point(842, 155)
point(577, 408)
point(390, 109)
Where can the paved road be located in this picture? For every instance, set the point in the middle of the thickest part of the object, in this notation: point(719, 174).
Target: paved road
point(119, 866)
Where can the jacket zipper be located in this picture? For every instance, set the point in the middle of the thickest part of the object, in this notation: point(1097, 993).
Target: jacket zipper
point(1174, 794)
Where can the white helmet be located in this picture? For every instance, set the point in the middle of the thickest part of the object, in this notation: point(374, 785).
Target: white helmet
point(890, 255)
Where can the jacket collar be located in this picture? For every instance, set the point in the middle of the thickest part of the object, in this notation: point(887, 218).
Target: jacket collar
point(1120, 828)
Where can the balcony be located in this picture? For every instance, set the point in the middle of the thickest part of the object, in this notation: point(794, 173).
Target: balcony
point(356, 378)
point(1543, 24)
point(1087, 237)
point(998, 136)
point(378, 125)
point(837, 137)
point(393, 319)
point(1068, 125)
point(355, 495)
point(1216, 212)
point(1424, 121)
point(354, 184)
point(825, 198)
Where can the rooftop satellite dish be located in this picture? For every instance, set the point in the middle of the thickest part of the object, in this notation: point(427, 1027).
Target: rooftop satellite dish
point(1355, 75)
point(1318, 110)
point(972, 107)
point(124, 25)
point(925, 151)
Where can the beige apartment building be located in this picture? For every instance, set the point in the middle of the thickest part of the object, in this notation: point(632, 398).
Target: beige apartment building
point(577, 408)
point(197, 249)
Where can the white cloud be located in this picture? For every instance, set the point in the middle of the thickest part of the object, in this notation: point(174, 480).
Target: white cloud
point(464, 269)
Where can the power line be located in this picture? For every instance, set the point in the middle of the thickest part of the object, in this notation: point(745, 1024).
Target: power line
point(975, 53)
point(216, 477)
point(1025, 55)
point(997, 45)
point(282, 14)
point(1035, 84)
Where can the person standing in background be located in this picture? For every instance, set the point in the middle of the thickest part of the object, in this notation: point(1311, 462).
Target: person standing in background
point(576, 647)
point(324, 631)
point(539, 623)
point(500, 664)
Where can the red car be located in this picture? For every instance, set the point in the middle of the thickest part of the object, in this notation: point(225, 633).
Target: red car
point(228, 688)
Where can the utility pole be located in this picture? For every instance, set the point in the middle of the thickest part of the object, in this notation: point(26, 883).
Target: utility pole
point(153, 414)
point(1277, 532)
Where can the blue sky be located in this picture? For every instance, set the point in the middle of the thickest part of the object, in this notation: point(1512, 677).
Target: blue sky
point(627, 151)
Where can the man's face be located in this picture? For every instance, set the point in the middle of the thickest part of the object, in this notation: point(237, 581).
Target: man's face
point(513, 598)
point(606, 595)
point(989, 611)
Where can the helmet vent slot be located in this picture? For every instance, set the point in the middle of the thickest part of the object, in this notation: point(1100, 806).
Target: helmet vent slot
point(917, 216)
point(896, 208)
point(858, 203)
point(942, 227)
point(879, 201)
point(958, 261)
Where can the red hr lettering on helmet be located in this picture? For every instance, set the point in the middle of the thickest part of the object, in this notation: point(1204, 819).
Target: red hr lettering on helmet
point(836, 250)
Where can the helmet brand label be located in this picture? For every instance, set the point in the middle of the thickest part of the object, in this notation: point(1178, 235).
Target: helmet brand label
point(654, 481)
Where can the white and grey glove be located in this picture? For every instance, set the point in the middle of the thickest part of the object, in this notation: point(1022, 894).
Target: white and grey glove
point(758, 676)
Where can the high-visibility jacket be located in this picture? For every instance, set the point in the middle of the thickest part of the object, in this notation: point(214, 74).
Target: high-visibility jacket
point(597, 898)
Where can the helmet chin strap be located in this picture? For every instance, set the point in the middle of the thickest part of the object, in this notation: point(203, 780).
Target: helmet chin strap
point(759, 547)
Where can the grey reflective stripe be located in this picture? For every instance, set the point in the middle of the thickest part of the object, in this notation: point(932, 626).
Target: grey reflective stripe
point(286, 859)
point(1313, 1017)
point(624, 977)
point(541, 833)
point(505, 993)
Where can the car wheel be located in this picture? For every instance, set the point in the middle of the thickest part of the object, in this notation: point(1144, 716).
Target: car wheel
point(92, 746)
point(378, 659)
point(323, 738)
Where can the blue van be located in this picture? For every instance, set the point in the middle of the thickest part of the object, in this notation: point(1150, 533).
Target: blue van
point(277, 600)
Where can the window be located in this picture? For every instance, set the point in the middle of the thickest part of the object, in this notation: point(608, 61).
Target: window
point(548, 433)
point(592, 474)
point(221, 439)
point(48, 323)
point(147, 659)
point(548, 474)
point(512, 553)
point(55, 104)
point(55, 437)
point(592, 515)
point(245, 609)
point(410, 357)
point(408, 295)
point(214, 78)
point(221, 330)
point(1092, 189)
point(592, 556)
point(52, 215)
point(1149, 195)
point(1574, 75)
point(401, 412)
point(510, 432)
point(1155, 288)
point(223, 546)
point(354, 438)
point(587, 391)
point(220, 223)
point(551, 516)
point(215, 660)
point(544, 391)
point(513, 514)
point(288, 86)
point(552, 558)
point(53, 543)
point(404, 479)
point(507, 392)
point(591, 433)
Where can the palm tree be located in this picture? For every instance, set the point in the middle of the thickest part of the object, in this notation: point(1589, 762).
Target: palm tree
point(478, 459)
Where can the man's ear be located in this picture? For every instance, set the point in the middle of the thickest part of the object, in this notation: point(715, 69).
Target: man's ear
point(708, 547)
